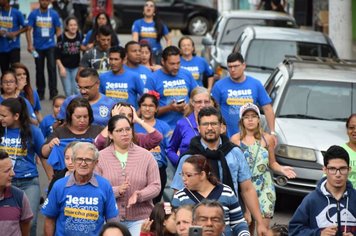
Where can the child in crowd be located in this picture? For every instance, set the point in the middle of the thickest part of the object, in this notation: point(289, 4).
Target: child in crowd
point(47, 123)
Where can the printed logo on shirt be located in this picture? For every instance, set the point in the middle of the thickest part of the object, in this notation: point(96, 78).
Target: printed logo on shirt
point(175, 88)
point(82, 207)
point(117, 90)
point(6, 22)
point(13, 146)
point(239, 97)
point(44, 22)
point(143, 77)
point(148, 32)
point(194, 70)
point(103, 111)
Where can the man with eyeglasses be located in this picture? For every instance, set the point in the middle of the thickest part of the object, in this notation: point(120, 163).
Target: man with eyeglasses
point(331, 208)
point(227, 161)
point(88, 85)
point(82, 202)
point(236, 90)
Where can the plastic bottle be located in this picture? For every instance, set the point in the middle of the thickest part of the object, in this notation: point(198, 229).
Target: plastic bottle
point(34, 53)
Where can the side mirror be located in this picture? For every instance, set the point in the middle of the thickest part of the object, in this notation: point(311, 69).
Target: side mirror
point(207, 40)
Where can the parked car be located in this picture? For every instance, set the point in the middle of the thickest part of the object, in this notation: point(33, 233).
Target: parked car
point(312, 98)
point(263, 48)
point(219, 43)
point(195, 17)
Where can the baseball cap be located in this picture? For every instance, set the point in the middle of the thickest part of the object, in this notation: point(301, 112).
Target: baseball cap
point(249, 107)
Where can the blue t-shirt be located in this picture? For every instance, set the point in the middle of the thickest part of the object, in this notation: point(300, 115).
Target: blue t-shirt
point(198, 67)
point(101, 109)
point(30, 111)
point(147, 31)
point(142, 71)
point(125, 87)
point(171, 88)
point(24, 161)
point(46, 125)
point(36, 106)
point(80, 209)
point(239, 169)
point(159, 152)
point(231, 95)
point(10, 21)
point(44, 26)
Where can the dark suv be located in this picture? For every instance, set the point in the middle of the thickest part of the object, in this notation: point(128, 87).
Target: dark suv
point(194, 17)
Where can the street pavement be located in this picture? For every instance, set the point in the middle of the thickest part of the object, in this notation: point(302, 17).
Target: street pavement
point(286, 204)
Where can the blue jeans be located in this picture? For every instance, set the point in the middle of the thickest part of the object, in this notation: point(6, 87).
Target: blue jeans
point(134, 226)
point(31, 187)
point(69, 84)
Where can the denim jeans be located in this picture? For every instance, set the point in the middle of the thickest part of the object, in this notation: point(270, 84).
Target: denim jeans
point(69, 84)
point(31, 187)
point(134, 226)
point(49, 55)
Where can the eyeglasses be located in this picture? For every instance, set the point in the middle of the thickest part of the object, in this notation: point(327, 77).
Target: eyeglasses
point(9, 82)
point(199, 102)
point(343, 170)
point(87, 87)
point(122, 130)
point(250, 117)
point(79, 160)
point(213, 124)
point(188, 175)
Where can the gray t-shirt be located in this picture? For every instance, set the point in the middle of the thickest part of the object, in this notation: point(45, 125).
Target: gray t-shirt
point(97, 59)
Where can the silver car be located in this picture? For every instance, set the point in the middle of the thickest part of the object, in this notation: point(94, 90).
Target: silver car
point(218, 44)
point(311, 98)
point(263, 48)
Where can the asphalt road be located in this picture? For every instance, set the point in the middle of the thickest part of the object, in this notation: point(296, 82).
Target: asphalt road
point(286, 204)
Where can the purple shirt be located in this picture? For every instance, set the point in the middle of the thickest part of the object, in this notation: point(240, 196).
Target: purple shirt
point(185, 130)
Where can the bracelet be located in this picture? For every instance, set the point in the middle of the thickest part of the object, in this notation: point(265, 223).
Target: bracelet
point(274, 133)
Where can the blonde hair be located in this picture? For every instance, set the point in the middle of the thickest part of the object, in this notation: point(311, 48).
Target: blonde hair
point(196, 91)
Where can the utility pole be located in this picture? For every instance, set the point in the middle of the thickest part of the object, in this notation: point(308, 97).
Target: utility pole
point(340, 26)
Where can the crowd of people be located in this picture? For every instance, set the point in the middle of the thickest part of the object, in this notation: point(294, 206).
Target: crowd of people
point(127, 112)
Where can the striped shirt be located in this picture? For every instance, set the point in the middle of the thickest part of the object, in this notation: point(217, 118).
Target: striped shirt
point(223, 194)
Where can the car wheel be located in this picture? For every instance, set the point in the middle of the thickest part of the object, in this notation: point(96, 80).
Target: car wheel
point(198, 25)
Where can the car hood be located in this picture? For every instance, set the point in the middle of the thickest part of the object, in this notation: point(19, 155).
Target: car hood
point(314, 134)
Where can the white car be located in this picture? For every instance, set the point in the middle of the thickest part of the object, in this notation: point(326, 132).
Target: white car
point(263, 48)
point(312, 98)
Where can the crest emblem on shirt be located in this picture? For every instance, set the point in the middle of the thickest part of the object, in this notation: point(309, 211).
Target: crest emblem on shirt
point(103, 111)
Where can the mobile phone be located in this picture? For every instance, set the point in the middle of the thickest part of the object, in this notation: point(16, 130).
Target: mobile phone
point(180, 101)
point(195, 231)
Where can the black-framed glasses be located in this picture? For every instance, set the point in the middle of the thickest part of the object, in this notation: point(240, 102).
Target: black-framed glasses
point(79, 160)
point(86, 88)
point(333, 170)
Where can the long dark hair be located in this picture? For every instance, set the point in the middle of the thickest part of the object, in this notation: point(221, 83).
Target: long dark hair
point(75, 103)
point(143, 44)
point(112, 124)
point(8, 72)
point(158, 23)
point(18, 106)
point(95, 32)
point(27, 89)
point(159, 215)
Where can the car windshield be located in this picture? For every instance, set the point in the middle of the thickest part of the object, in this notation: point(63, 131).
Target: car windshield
point(324, 100)
point(268, 53)
point(235, 26)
